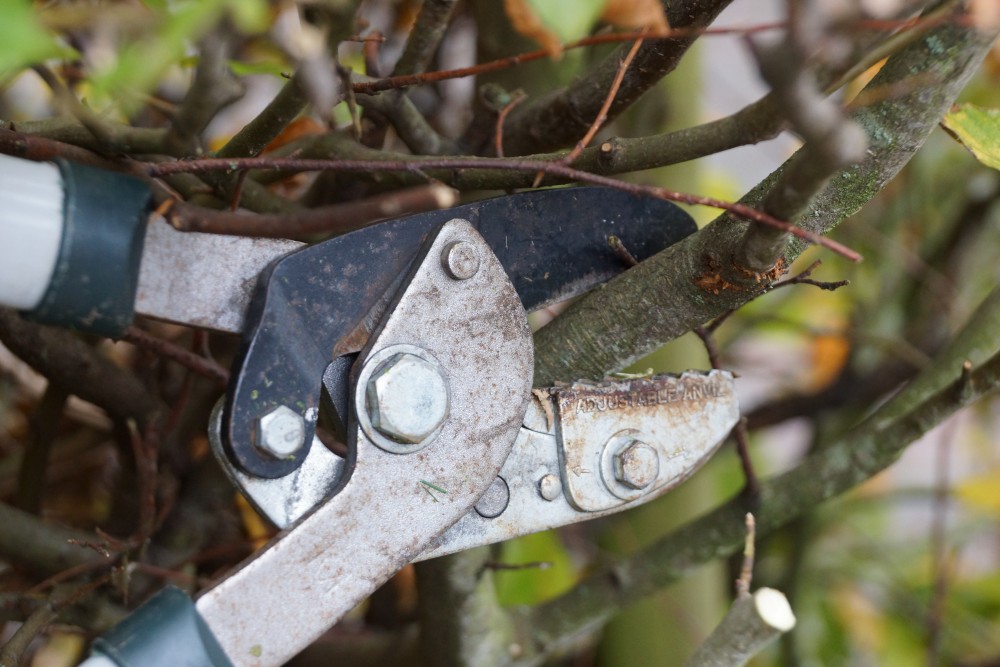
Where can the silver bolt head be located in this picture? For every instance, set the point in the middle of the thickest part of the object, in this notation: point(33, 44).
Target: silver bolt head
point(281, 433)
point(637, 465)
point(407, 399)
point(460, 260)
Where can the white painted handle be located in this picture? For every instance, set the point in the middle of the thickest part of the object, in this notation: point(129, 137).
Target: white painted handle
point(31, 229)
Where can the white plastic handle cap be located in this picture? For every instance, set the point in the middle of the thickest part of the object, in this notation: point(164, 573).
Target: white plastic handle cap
point(31, 229)
point(99, 660)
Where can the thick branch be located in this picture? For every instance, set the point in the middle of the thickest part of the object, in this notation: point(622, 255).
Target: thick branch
point(753, 622)
point(462, 621)
point(44, 548)
point(432, 21)
point(561, 117)
point(69, 362)
point(697, 280)
point(214, 87)
point(835, 468)
point(410, 124)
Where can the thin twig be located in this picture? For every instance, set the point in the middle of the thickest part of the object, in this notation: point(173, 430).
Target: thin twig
point(144, 451)
point(751, 483)
point(602, 115)
point(519, 97)
point(45, 425)
point(940, 561)
point(156, 170)
point(746, 570)
point(623, 253)
point(336, 218)
point(165, 348)
point(35, 624)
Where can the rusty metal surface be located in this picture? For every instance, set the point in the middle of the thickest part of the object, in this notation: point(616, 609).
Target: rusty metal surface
point(205, 280)
point(686, 418)
point(391, 506)
point(683, 418)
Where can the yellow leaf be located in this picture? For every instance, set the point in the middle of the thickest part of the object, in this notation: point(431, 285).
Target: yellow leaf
point(829, 354)
point(978, 129)
point(636, 14)
point(981, 491)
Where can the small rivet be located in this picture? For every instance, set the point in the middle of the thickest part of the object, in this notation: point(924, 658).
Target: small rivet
point(549, 487)
point(460, 260)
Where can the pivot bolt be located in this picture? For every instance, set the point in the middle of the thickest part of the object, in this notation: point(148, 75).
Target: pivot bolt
point(460, 260)
point(407, 398)
point(281, 432)
point(637, 465)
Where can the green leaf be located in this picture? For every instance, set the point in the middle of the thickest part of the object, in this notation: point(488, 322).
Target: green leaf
point(568, 19)
point(978, 129)
point(25, 40)
point(532, 585)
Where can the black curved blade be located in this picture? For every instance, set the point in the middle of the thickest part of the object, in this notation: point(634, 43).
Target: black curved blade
point(321, 302)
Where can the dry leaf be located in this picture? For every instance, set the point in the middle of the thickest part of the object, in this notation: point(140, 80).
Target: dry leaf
point(985, 13)
point(526, 21)
point(636, 14)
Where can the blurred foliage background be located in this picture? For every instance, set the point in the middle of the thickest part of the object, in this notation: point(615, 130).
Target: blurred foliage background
point(903, 570)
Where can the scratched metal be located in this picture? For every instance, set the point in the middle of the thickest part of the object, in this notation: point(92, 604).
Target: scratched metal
point(691, 430)
point(205, 280)
point(391, 506)
point(284, 500)
point(683, 417)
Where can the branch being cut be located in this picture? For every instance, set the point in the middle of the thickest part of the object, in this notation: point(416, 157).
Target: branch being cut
point(833, 469)
point(697, 279)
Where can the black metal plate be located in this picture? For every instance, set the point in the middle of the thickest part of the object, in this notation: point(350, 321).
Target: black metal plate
point(552, 243)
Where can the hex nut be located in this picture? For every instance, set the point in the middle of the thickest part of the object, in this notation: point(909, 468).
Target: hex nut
point(460, 260)
point(281, 432)
point(637, 465)
point(407, 398)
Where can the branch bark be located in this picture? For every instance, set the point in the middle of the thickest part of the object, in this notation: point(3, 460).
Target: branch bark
point(831, 470)
point(561, 117)
point(426, 34)
point(697, 279)
point(753, 622)
point(69, 362)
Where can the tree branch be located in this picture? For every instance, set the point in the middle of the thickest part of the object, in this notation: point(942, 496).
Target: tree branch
point(42, 547)
point(463, 623)
point(336, 218)
point(214, 87)
point(753, 622)
point(561, 117)
point(69, 362)
point(426, 34)
point(697, 280)
point(831, 470)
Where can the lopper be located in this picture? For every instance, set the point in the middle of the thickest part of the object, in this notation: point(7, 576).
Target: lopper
point(409, 342)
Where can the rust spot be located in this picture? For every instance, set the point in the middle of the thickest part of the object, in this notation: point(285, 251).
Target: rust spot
point(717, 278)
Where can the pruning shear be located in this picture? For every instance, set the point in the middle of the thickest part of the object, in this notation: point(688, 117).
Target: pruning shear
point(409, 341)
